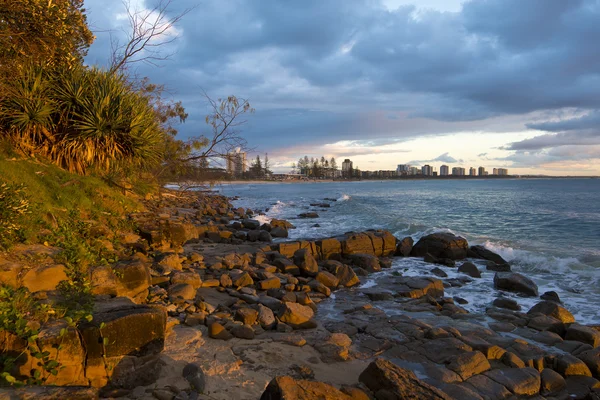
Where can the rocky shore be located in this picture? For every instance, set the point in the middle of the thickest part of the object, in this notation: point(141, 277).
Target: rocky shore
point(208, 303)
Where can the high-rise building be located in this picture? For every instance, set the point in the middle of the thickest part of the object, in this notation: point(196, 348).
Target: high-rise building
point(444, 170)
point(413, 171)
point(236, 163)
point(427, 170)
point(347, 168)
point(403, 169)
point(495, 171)
point(472, 171)
point(458, 171)
point(481, 171)
point(502, 171)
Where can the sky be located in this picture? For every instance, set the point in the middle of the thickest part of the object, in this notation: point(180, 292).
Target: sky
point(494, 83)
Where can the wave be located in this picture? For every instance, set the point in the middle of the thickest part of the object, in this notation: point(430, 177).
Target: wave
point(345, 197)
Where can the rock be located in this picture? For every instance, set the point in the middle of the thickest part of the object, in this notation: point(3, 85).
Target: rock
point(296, 315)
point(241, 279)
point(265, 236)
point(487, 388)
point(243, 332)
point(279, 232)
point(553, 309)
point(246, 315)
point(335, 348)
point(266, 318)
point(191, 278)
point(281, 223)
point(504, 302)
point(482, 253)
point(388, 381)
point(492, 266)
point(568, 365)
point(44, 278)
point(130, 279)
point(195, 376)
point(306, 262)
point(130, 372)
point(251, 224)
point(357, 243)
point(520, 381)
point(591, 358)
point(439, 272)
point(271, 283)
point(469, 364)
point(470, 269)
point(218, 331)
point(441, 245)
point(182, 291)
point(346, 275)
point(308, 215)
point(551, 382)
point(417, 287)
point(169, 262)
point(366, 261)
point(551, 296)
point(377, 295)
point(49, 393)
point(10, 272)
point(286, 388)
point(328, 279)
point(127, 330)
point(512, 360)
point(583, 334)
point(404, 247)
point(583, 387)
point(515, 282)
point(225, 281)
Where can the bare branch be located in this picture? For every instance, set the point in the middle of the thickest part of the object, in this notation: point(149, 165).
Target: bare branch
point(148, 33)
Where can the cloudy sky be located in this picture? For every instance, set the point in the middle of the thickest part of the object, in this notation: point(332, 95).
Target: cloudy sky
point(497, 83)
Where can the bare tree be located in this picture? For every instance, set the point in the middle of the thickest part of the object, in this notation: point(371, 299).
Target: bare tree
point(225, 119)
point(149, 30)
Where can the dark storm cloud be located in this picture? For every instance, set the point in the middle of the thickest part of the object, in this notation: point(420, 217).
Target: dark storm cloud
point(320, 71)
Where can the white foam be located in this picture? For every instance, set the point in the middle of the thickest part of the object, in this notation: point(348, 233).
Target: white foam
point(263, 219)
point(345, 197)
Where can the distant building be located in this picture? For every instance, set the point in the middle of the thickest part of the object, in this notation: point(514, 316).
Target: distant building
point(403, 169)
point(481, 171)
point(495, 171)
point(236, 163)
point(444, 170)
point(427, 170)
point(502, 171)
point(347, 168)
point(457, 171)
point(414, 171)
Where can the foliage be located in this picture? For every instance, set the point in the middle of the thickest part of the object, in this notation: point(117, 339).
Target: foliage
point(43, 33)
point(82, 118)
point(13, 206)
point(317, 168)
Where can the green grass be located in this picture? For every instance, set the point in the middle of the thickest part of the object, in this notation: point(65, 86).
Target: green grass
point(56, 195)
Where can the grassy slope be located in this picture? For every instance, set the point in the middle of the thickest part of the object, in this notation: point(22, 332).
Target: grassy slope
point(55, 194)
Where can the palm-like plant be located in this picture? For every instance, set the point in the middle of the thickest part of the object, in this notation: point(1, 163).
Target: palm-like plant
point(26, 111)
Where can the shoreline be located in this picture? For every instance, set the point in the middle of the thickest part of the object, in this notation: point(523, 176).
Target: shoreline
point(240, 310)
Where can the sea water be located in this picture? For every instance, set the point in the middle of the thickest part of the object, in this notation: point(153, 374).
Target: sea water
point(548, 229)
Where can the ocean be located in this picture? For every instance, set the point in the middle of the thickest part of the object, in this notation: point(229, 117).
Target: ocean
point(548, 229)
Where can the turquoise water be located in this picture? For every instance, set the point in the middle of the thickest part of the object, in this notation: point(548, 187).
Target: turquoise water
point(548, 228)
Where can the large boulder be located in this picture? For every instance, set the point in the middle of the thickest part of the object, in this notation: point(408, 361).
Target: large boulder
point(441, 245)
point(287, 388)
point(524, 382)
point(306, 262)
point(9, 272)
point(584, 334)
point(553, 309)
point(515, 282)
point(128, 279)
point(367, 262)
point(44, 278)
point(296, 315)
point(591, 358)
point(50, 393)
point(482, 253)
point(180, 233)
point(330, 248)
point(405, 246)
point(117, 332)
point(388, 381)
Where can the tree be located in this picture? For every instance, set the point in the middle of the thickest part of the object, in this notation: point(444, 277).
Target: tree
point(149, 30)
point(42, 33)
point(333, 166)
point(267, 165)
point(256, 169)
point(294, 170)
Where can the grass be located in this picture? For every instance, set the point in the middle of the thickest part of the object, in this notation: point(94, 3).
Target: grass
point(56, 195)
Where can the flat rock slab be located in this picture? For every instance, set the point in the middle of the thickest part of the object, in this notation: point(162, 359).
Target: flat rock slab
point(417, 287)
point(520, 381)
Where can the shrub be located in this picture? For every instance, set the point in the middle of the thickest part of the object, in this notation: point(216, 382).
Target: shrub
point(13, 206)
